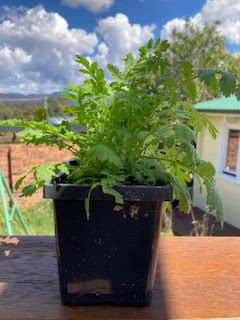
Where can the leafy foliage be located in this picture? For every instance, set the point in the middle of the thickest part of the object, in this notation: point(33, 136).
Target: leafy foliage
point(202, 47)
point(32, 110)
point(18, 110)
point(131, 136)
point(40, 114)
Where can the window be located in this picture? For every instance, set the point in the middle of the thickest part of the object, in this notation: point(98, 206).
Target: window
point(232, 151)
point(229, 160)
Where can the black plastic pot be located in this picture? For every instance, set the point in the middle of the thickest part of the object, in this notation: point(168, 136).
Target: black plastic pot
point(112, 257)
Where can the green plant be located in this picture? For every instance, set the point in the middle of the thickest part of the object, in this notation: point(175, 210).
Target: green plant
point(131, 136)
point(40, 114)
point(38, 218)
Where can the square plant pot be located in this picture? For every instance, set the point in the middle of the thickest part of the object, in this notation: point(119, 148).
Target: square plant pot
point(112, 257)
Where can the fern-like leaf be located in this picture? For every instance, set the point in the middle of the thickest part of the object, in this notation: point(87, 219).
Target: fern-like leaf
point(103, 152)
point(227, 83)
point(130, 62)
point(115, 72)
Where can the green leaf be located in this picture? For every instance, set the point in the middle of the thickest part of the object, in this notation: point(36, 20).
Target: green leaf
point(237, 93)
point(21, 179)
point(191, 90)
point(185, 133)
point(87, 200)
point(46, 171)
point(162, 131)
point(214, 202)
point(180, 192)
point(205, 170)
point(107, 101)
point(187, 68)
point(207, 76)
point(150, 43)
point(149, 171)
point(182, 114)
point(191, 156)
point(142, 51)
point(86, 206)
point(213, 131)
point(64, 167)
point(227, 83)
point(70, 96)
point(161, 80)
point(30, 189)
point(165, 45)
point(103, 152)
point(142, 135)
point(82, 60)
point(110, 190)
point(130, 62)
point(83, 71)
point(93, 67)
point(64, 125)
point(115, 72)
point(157, 44)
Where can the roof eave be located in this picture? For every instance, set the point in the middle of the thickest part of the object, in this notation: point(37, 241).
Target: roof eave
point(218, 111)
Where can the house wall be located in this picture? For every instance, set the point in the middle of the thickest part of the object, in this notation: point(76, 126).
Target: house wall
point(23, 158)
point(229, 191)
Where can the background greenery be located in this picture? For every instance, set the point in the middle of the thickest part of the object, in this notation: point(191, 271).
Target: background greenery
point(30, 110)
point(38, 218)
point(40, 222)
point(203, 47)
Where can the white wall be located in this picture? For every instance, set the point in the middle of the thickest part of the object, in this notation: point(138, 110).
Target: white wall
point(228, 188)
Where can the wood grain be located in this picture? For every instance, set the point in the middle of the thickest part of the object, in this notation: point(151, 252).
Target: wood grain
point(197, 278)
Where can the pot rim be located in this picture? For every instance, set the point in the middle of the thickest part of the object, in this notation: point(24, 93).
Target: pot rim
point(63, 191)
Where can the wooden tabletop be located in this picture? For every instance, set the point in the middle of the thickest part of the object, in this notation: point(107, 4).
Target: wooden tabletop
point(197, 278)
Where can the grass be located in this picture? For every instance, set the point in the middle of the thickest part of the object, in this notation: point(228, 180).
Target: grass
point(39, 220)
point(167, 233)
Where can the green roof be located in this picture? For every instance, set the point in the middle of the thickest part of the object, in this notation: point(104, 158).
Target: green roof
point(230, 104)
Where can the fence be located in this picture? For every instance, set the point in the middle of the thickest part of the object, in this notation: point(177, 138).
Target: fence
point(16, 158)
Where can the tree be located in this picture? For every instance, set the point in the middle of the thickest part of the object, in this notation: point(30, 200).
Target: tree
point(23, 110)
point(40, 114)
point(55, 108)
point(203, 48)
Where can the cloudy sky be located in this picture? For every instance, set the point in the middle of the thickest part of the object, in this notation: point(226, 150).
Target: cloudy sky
point(39, 39)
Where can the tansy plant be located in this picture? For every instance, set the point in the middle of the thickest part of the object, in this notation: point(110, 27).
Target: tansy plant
point(132, 136)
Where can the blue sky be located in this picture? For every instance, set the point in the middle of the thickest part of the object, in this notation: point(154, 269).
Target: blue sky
point(38, 39)
point(143, 12)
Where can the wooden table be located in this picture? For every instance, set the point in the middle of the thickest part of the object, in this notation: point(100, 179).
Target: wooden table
point(197, 278)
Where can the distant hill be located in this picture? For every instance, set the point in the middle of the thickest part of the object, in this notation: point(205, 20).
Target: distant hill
point(26, 107)
point(20, 98)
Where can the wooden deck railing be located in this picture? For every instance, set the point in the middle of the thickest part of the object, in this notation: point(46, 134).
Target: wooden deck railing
point(197, 278)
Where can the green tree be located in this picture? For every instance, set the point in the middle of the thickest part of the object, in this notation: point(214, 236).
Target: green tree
point(203, 48)
point(40, 114)
point(55, 108)
point(21, 110)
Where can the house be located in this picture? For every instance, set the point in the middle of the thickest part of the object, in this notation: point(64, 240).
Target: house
point(223, 153)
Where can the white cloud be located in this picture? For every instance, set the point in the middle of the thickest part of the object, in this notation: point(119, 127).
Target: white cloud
point(37, 48)
point(226, 11)
point(11, 62)
point(37, 51)
point(221, 9)
point(102, 55)
point(91, 5)
point(121, 37)
point(178, 24)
